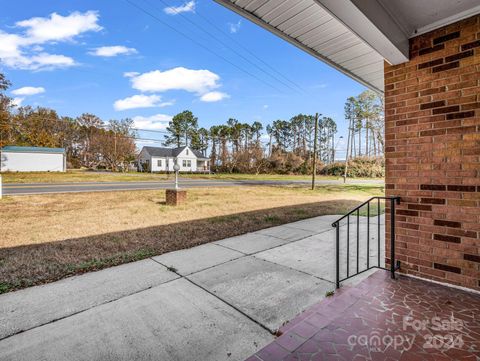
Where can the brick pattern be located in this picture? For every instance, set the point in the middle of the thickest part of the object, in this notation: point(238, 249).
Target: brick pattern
point(174, 197)
point(432, 132)
point(377, 307)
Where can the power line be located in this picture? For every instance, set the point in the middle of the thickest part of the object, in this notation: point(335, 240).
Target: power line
point(109, 127)
point(223, 43)
point(201, 45)
point(136, 138)
point(151, 130)
point(247, 50)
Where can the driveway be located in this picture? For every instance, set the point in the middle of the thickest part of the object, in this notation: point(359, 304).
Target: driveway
point(219, 301)
point(41, 188)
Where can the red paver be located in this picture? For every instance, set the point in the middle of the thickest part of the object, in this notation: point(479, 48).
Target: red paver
point(383, 319)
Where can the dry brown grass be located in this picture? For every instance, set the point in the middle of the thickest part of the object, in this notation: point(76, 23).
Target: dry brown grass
point(76, 175)
point(48, 237)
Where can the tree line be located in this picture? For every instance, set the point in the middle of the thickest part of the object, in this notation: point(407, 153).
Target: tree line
point(240, 147)
point(88, 141)
point(365, 117)
point(284, 146)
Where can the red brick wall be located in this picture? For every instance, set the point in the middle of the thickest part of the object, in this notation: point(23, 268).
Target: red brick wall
point(432, 107)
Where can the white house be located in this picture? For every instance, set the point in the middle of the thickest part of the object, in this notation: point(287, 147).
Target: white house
point(156, 159)
point(32, 159)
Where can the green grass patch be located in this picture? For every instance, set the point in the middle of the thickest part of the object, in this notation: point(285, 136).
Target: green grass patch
point(224, 219)
point(5, 287)
point(99, 263)
point(272, 219)
point(329, 293)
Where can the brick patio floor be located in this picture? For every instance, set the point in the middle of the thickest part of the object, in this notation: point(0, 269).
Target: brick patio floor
point(383, 319)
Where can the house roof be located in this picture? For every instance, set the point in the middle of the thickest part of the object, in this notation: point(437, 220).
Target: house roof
point(171, 152)
point(17, 149)
point(353, 36)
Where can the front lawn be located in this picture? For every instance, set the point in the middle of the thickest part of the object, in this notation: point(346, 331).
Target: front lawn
point(48, 237)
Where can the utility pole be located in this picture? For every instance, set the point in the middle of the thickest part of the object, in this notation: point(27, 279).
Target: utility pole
point(116, 161)
point(314, 166)
point(333, 147)
point(350, 138)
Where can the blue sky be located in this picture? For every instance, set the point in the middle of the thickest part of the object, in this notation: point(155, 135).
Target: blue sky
point(111, 59)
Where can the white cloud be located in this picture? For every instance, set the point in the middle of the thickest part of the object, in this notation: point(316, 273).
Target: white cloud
point(109, 51)
point(46, 61)
point(265, 106)
point(58, 27)
point(319, 86)
point(137, 101)
point(166, 104)
point(130, 74)
point(214, 96)
point(140, 101)
point(28, 90)
point(194, 81)
point(188, 7)
point(17, 101)
point(23, 51)
point(234, 27)
point(154, 122)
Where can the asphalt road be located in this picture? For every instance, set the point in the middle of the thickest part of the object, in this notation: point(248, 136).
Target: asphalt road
point(45, 188)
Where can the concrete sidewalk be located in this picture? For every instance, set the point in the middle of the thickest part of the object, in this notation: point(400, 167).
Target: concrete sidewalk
point(218, 301)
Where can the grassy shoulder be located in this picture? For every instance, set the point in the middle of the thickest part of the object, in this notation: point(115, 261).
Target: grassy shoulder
point(49, 237)
point(79, 176)
point(90, 176)
point(241, 176)
point(273, 177)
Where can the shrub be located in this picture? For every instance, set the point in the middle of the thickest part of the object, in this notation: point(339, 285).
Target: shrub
point(357, 167)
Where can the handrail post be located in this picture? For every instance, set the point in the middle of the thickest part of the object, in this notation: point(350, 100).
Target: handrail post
point(368, 235)
point(394, 265)
point(392, 237)
point(378, 233)
point(348, 246)
point(337, 256)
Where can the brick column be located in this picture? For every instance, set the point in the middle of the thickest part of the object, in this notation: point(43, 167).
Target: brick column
point(175, 197)
point(432, 136)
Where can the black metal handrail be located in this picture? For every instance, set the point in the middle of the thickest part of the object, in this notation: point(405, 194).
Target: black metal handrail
point(393, 265)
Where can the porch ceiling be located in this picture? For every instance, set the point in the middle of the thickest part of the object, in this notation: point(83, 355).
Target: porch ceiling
point(421, 16)
point(353, 36)
point(307, 25)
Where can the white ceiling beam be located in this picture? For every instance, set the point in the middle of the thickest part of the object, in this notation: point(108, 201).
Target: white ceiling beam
point(447, 21)
point(370, 22)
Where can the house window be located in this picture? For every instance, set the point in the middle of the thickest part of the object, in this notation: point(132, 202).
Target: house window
point(184, 163)
point(159, 163)
point(189, 163)
point(187, 151)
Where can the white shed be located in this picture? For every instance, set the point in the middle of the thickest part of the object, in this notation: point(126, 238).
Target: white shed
point(32, 159)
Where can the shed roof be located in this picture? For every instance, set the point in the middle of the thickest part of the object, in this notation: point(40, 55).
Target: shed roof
point(18, 149)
